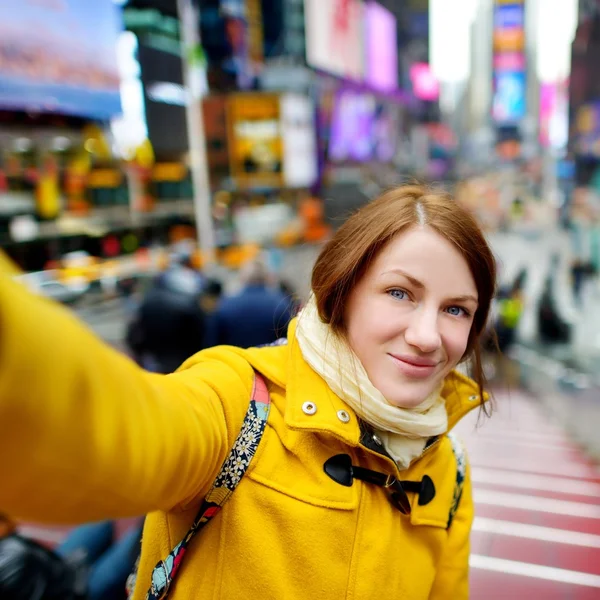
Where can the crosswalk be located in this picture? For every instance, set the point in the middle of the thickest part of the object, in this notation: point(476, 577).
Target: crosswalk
point(536, 532)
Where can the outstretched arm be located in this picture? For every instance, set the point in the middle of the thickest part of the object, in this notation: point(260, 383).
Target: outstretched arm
point(86, 434)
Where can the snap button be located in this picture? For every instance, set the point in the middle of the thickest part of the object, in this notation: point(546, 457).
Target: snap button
point(377, 439)
point(473, 398)
point(343, 416)
point(309, 408)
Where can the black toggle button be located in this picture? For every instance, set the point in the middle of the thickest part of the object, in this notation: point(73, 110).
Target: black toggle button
point(339, 468)
point(424, 488)
point(342, 471)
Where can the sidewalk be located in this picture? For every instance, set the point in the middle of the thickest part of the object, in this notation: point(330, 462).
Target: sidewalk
point(537, 496)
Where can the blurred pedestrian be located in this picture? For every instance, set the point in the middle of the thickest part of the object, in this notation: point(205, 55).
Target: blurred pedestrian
point(212, 292)
point(509, 309)
point(90, 564)
point(258, 314)
point(181, 273)
point(169, 326)
point(552, 327)
point(358, 484)
point(502, 333)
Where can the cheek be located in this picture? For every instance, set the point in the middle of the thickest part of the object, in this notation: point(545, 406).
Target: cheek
point(456, 339)
point(373, 324)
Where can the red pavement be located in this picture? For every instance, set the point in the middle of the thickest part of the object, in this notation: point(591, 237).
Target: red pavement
point(537, 497)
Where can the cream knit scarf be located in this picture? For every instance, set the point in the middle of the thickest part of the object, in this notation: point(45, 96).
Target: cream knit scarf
point(403, 431)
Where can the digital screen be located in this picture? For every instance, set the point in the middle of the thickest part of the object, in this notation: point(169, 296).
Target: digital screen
point(509, 97)
point(363, 128)
point(382, 47)
point(351, 126)
point(509, 103)
point(162, 79)
point(60, 56)
point(335, 37)
point(425, 85)
point(507, 16)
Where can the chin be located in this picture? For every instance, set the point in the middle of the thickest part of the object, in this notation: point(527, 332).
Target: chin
point(407, 401)
point(412, 395)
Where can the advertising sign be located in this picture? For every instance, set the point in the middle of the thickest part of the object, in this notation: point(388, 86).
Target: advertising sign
point(509, 96)
point(351, 126)
point(272, 140)
point(60, 57)
point(165, 100)
point(425, 85)
point(335, 37)
point(255, 147)
point(587, 126)
point(363, 128)
point(300, 168)
point(510, 82)
point(382, 47)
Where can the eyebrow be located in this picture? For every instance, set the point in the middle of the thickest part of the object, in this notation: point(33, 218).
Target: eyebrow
point(420, 285)
point(415, 282)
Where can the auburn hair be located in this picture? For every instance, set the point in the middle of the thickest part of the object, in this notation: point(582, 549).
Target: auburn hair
point(347, 256)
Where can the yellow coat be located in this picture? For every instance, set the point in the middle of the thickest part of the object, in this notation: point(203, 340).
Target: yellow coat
point(85, 434)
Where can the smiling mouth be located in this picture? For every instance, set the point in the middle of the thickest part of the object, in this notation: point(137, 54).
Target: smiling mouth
point(415, 360)
point(413, 367)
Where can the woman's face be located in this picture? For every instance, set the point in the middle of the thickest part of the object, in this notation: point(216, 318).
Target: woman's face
point(408, 319)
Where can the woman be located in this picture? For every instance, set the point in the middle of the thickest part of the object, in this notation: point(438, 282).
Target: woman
point(361, 399)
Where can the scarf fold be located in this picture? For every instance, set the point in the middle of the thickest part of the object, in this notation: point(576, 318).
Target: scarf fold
point(403, 431)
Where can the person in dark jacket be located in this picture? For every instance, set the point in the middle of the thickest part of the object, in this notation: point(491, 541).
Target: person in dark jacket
point(170, 326)
point(259, 314)
point(90, 564)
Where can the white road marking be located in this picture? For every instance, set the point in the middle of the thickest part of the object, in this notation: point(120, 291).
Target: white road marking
point(531, 481)
point(574, 471)
point(511, 567)
point(535, 532)
point(537, 504)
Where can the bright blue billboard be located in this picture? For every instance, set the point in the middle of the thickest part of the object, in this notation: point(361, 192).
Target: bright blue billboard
point(60, 56)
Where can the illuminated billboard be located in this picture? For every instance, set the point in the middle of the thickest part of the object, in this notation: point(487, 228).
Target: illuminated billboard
point(335, 37)
point(60, 57)
point(382, 48)
point(510, 81)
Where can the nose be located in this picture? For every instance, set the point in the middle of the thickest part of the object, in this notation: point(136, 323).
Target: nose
point(422, 331)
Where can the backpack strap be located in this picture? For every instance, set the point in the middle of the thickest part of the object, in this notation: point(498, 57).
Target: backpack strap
point(232, 472)
point(461, 469)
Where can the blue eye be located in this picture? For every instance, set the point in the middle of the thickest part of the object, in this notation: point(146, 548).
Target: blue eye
point(457, 311)
point(398, 294)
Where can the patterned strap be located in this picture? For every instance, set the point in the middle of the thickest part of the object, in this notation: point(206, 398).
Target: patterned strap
point(461, 469)
point(232, 471)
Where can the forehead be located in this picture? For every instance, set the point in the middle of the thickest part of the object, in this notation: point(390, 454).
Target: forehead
point(427, 256)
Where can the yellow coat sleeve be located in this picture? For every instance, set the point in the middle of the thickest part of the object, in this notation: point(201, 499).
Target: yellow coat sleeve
point(86, 434)
point(452, 579)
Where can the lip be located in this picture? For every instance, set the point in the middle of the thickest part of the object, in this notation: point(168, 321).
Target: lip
point(413, 366)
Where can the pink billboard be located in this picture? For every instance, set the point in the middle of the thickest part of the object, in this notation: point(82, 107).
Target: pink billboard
point(425, 85)
point(381, 48)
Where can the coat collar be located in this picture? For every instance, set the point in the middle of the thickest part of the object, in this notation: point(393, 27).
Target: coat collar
point(286, 367)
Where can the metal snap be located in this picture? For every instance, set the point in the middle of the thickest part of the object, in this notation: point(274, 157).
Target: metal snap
point(309, 408)
point(377, 440)
point(343, 416)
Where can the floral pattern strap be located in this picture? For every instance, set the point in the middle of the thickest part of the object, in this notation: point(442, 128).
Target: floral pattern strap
point(461, 469)
point(232, 471)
